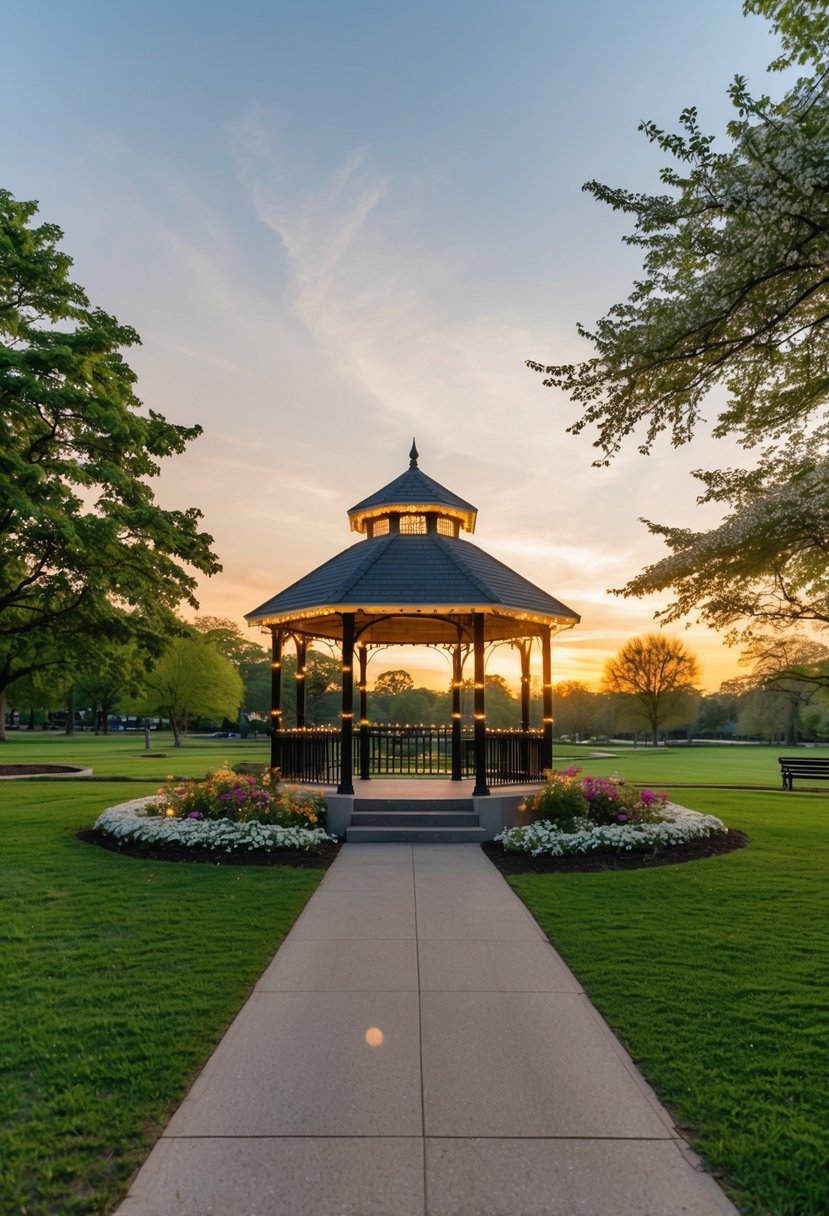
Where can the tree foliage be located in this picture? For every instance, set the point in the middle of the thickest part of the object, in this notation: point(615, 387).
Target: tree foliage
point(85, 551)
point(734, 296)
point(392, 683)
point(574, 708)
point(656, 675)
point(226, 636)
point(191, 679)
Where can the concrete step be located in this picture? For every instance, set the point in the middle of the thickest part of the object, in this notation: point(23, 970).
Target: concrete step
point(414, 819)
point(409, 835)
point(455, 805)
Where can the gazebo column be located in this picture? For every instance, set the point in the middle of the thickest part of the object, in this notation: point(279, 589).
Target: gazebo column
point(457, 681)
point(525, 649)
point(346, 785)
point(276, 698)
point(479, 716)
point(301, 658)
point(547, 699)
point(362, 654)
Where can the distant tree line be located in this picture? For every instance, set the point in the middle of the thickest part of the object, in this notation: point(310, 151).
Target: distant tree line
point(213, 676)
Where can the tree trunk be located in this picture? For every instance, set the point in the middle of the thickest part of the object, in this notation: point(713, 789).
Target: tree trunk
point(175, 728)
point(3, 716)
point(70, 711)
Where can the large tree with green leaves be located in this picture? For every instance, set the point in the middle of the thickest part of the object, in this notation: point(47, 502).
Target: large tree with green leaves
point(85, 551)
point(191, 679)
point(734, 297)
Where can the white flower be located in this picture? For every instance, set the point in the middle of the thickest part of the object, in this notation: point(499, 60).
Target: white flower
point(679, 825)
point(129, 821)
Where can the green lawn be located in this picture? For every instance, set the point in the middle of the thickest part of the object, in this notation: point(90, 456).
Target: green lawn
point(714, 975)
point(117, 976)
point(724, 764)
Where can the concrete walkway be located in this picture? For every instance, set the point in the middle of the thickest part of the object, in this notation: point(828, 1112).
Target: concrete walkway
point(417, 1047)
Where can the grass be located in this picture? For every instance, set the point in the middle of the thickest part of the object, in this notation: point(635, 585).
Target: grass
point(122, 755)
point(118, 977)
point(702, 764)
point(711, 974)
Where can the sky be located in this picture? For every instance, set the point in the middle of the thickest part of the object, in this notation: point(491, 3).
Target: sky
point(339, 224)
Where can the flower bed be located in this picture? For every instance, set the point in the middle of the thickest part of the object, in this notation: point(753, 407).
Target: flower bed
point(227, 811)
point(576, 815)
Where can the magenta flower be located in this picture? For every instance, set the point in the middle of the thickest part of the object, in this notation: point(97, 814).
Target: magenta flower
point(195, 815)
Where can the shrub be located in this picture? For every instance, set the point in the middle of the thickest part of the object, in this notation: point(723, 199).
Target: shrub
point(240, 798)
point(567, 799)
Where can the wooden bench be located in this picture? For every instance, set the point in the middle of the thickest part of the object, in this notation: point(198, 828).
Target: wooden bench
point(814, 767)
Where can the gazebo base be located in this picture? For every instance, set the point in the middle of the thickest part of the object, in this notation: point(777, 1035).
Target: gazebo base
point(424, 810)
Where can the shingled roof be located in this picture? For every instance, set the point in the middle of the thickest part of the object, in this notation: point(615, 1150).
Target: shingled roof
point(413, 491)
point(438, 580)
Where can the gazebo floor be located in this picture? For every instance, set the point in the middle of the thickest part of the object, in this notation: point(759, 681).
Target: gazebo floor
point(426, 789)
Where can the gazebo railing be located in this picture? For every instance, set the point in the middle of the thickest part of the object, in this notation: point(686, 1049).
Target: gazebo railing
point(410, 751)
point(310, 754)
point(313, 754)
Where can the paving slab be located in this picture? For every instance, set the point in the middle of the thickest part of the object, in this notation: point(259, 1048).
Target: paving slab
point(487, 966)
point(311, 965)
point(525, 1177)
point(300, 1064)
point(417, 1048)
point(490, 1069)
point(266, 1177)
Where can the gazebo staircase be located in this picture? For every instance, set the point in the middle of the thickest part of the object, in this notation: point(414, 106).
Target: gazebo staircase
point(409, 821)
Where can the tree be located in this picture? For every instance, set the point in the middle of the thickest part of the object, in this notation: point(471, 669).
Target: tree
point(656, 676)
point(85, 550)
point(790, 669)
point(225, 636)
point(734, 296)
point(118, 671)
point(411, 706)
point(715, 712)
point(574, 708)
point(392, 683)
point(191, 679)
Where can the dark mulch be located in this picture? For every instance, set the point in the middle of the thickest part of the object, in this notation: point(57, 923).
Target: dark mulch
point(215, 857)
point(695, 850)
point(34, 770)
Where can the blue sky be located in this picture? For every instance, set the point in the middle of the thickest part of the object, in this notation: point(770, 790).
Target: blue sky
point(336, 225)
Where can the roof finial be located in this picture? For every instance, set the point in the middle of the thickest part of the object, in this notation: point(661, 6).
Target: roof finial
point(413, 455)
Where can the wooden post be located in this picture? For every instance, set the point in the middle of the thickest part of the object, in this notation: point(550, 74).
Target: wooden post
point(524, 649)
point(457, 680)
point(479, 717)
point(276, 698)
point(362, 653)
point(547, 699)
point(346, 785)
point(301, 657)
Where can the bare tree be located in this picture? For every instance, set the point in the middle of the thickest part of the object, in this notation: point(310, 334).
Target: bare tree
point(656, 675)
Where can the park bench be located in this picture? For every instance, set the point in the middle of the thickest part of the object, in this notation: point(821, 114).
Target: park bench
point(814, 767)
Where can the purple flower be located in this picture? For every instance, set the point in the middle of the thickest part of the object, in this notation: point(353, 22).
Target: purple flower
point(195, 815)
point(622, 817)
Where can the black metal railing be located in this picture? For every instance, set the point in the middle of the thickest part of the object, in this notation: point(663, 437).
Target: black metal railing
point(309, 754)
point(408, 751)
point(513, 757)
point(313, 754)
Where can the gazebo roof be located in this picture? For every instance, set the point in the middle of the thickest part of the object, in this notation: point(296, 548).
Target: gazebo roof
point(415, 589)
point(413, 491)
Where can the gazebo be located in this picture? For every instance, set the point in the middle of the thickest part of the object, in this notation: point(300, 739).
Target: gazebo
point(412, 580)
